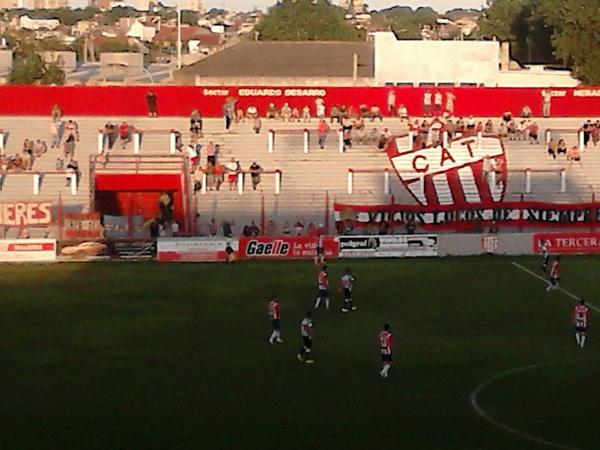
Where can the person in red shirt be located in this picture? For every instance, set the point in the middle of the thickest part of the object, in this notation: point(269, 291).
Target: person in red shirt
point(554, 275)
point(322, 132)
point(386, 344)
point(275, 314)
point(323, 288)
point(581, 318)
point(124, 134)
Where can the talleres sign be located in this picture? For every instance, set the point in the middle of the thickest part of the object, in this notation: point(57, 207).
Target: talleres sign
point(25, 213)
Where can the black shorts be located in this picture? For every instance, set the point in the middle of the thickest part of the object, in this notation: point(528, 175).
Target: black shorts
point(320, 250)
point(580, 329)
point(323, 293)
point(386, 357)
point(554, 281)
point(275, 324)
point(307, 342)
point(348, 294)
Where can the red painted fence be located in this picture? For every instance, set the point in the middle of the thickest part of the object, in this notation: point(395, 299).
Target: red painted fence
point(182, 100)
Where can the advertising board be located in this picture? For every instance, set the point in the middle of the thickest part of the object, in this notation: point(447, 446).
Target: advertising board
point(286, 247)
point(32, 250)
point(194, 249)
point(574, 243)
point(394, 246)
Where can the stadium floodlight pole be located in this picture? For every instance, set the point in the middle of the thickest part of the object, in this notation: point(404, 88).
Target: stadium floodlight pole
point(178, 34)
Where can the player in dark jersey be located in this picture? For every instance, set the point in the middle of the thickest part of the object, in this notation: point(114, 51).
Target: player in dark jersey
point(307, 333)
point(545, 255)
point(347, 281)
point(581, 318)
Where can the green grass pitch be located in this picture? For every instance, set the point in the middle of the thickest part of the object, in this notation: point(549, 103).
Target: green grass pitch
point(148, 356)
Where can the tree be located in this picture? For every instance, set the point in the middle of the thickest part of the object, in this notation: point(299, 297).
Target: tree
point(405, 22)
point(190, 17)
point(305, 20)
point(576, 38)
point(30, 69)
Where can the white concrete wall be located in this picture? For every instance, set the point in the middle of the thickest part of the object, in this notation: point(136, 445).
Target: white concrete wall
point(66, 60)
point(535, 77)
point(404, 61)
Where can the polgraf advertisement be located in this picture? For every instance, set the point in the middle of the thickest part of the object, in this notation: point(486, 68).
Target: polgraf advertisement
point(574, 243)
point(22, 250)
point(194, 249)
point(394, 246)
point(286, 247)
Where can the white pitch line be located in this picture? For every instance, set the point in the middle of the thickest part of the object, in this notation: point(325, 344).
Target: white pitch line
point(530, 437)
point(564, 291)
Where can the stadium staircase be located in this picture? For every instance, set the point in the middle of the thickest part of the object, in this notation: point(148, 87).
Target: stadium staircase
point(307, 178)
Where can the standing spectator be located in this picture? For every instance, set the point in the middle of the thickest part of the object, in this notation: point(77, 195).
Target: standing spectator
point(73, 169)
point(151, 103)
point(192, 155)
point(547, 102)
point(286, 113)
point(427, 103)
point(272, 111)
point(229, 112)
point(391, 103)
point(71, 128)
point(561, 147)
point(438, 99)
point(56, 133)
point(375, 113)
point(533, 133)
point(347, 135)
point(320, 108)
point(596, 133)
point(211, 152)
point(219, 173)
point(574, 154)
point(69, 147)
point(196, 125)
point(255, 171)
point(124, 134)
point(322, 131)
point(450, 98)
point(57, 113)
point(256, 124)
point(552, 149)
point(403, 113)
point(232, 168)
point(587, 133)
point(227, 227)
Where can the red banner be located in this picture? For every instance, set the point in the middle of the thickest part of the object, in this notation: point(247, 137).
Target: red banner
point(470, 217)
point(86, 225)
point(286, 247)
point(568, 242)
point(181, 100)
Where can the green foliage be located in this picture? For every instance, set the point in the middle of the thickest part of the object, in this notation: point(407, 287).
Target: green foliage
point(113, 15)
point(305, 20)
point(405, 22)
point(117, 46)
point(190, 17)
point(30, 69)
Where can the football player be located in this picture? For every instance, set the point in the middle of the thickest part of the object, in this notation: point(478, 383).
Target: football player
point(347, 281)
point(545, 255)
point(323, 288)
point(554, 275)
point(386, 344)
point(581, 318)
point(275, 313)
point(307, 333)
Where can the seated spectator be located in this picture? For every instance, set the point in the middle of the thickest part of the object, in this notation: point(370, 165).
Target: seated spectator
point(198, 177)
point(503, 130)
point(73, 169)
point(384, 138)
point(312, 229)
point(210, 176)
point(286, 113)
point(212, 227)
point(39, 148)
point(533, 131)
point(193, 158)
point(596, 133)
point(295, 114)
point(16, 163)
point(196, 125)
point(384, 227)
point(252, 112)
point(124, 134)
point(109, 136)
point(239, 115)
point(375, 113)
point(471, 123)
point(256, 124)
point(450, 128)
point(272, 111)
point(507, 117)
point(410, 226)
point(363, 111)
point(335, 114)
point(461, 126)
point(69, 147)
point(298, 228)
point(372, 137)
point(271, 228)
point(526, 112)
point(561, 147)
point(488, 168)
point(71, 128)
point(511, 129)
point(347, 135)
point(255, 171)
point(254, 230)
point(403, 113)
point(287, 228)
point(488, 127)
point(227, 227)
point(479, 127)
point(574, 154)
point(344, 112)
point(246, 231)
point(552, 149)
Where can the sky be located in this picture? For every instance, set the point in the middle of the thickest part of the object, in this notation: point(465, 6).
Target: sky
point(246, 5)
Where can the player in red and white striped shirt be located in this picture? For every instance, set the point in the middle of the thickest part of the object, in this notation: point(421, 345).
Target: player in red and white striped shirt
point(386, 344)
point(275, 313)
point(554, 275)
point(323, 288)
point(581, 318)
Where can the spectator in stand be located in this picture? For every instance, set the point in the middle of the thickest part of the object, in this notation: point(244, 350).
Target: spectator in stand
point(252, 112)
point(227, 227)
point(552, 148)
point(57, 113)
point(533, 131)
point(198, 177)
point(39, 148)
point(73, 169)
point(403, 113)
point(151, 103)
point(438, 99)
point(507, 117)
point(295, 114)
point(286, 113)
point(561, 147)
point(124, 134)
point(69, 147)
point(511, 130)
point(271, 228)
point(502, 130)
point(427, 103)
point(196, 125)
point(322, 132)
point(546, 102)
point(587, 132)
point(488, 127)
point(596, 133)
point(193, 157)
point(253, 228)
point(360, 132)
point(211, 153)
point(212, 227)
point(384, 138)
point(56, 132)
point(229, 112)
point(574, 154)
point(71, 128)
point(375, 113)
point(488, 168)
point(471, 124)
point(521, 130)
point(372, 137)
point(306, 114)
point(479, 127)
point(450, 128)
point(526, 112)
point(256, 124)
point(298, 228)
point(272, 113)
point(232, 171)
point(347, 135)
point(320, 108)
point(424, 133)
point(287, 228)
point(239, 115)
point(255, 171)
point(219, 174)
point(335, 114)
point(391, 103)
point(450, 98)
